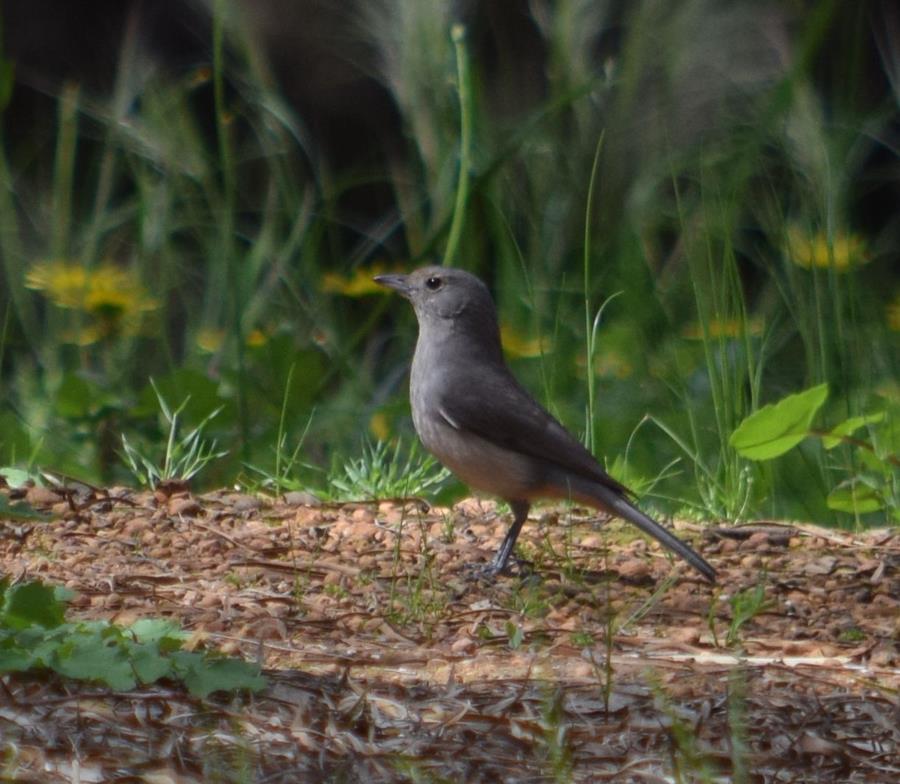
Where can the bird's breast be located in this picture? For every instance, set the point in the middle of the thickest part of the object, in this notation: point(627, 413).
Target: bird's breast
point(481, 464)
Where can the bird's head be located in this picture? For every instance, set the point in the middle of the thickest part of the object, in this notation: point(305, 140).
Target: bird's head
point(442, 293)
point(450, 304)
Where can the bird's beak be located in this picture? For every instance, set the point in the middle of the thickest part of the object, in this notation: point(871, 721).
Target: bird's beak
point(399, 283)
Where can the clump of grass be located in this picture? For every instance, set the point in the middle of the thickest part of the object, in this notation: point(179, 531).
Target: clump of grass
point(420, 596)
point(745, 606)
point(386, 471)
point(556, 745)
point(184, 456)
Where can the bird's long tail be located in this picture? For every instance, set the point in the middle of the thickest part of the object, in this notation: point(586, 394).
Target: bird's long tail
point(611, 501)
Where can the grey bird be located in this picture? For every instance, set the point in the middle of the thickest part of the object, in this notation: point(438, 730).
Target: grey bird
point(473, 415)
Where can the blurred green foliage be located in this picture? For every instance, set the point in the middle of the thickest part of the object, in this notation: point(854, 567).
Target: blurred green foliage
point(189, 228)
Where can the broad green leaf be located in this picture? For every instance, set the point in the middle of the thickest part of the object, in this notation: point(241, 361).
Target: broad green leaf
point(149, 664)
point(34, 637)
point(30, 604)
point(204, 675)
point(15, 660)
point(88, 656)
point(849, 426)
point(872, 462)
point(157, 629)
point(21, 511)
point(15, 477)
point(15, 439)
point(886, 434)
point(77, 397)
point(14, 657)
point(857, 498)
point(63, 594)
point(778, 427)
point(42, 643)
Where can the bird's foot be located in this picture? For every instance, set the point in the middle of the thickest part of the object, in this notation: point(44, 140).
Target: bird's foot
point(515, 567)
point(481, 573)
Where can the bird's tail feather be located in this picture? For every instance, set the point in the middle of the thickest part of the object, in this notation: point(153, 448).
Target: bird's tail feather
point(614, 503)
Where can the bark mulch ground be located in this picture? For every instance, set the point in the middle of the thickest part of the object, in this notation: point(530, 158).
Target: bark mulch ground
point(389, 659)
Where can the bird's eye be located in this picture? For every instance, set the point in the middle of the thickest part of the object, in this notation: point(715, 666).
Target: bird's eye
point(434, 283)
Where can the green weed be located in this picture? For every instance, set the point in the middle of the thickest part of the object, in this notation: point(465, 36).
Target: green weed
point(184, 456)
point(745, 606)
point(386, 471)
point(873, 484)
point(34, 636)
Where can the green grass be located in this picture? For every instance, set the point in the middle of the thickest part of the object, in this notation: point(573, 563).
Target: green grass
point(714, 214)
point(385, 471)
point(183, 457)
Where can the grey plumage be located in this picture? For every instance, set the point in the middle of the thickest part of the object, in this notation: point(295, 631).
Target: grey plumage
point(474, 416)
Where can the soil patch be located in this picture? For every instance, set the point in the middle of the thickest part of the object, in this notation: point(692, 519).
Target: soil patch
point(389, 659)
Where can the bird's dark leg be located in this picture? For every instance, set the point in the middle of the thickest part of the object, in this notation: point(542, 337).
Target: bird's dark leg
point(520, 515)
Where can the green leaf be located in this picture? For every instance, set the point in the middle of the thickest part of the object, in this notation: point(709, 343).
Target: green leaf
point(886, 434)
point(15, 441)
point(42, 643)
point(872, 462)
point(778, 427)
point(79, 398)
point(30, 604)
point(33, 637)
point(21, 511)
point(849, 426)
point(149, 664)
point(14, 657)
point(204, 675)
point(89, 656)
point(515, 633)
point(15, 477)
point(161, 631)
point(855, 498)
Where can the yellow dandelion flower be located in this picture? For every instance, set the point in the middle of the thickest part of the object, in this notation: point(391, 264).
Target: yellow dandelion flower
point(611, 364)
point(63, 283)
point(517, 345)
point(843, 252)
point(98, 290)
point(210, 340)
point(893, 314)
point(83, 336)
point(359, 284)
point(113, 297)
point(724, 328)
point(114, 289)
point(379, 427)
point(200, 76)
point(256, 338)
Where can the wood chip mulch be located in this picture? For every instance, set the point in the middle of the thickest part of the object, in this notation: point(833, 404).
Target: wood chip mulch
point(389, 659)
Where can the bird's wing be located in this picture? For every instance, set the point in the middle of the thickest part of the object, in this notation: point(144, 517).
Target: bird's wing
point(492, 404)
